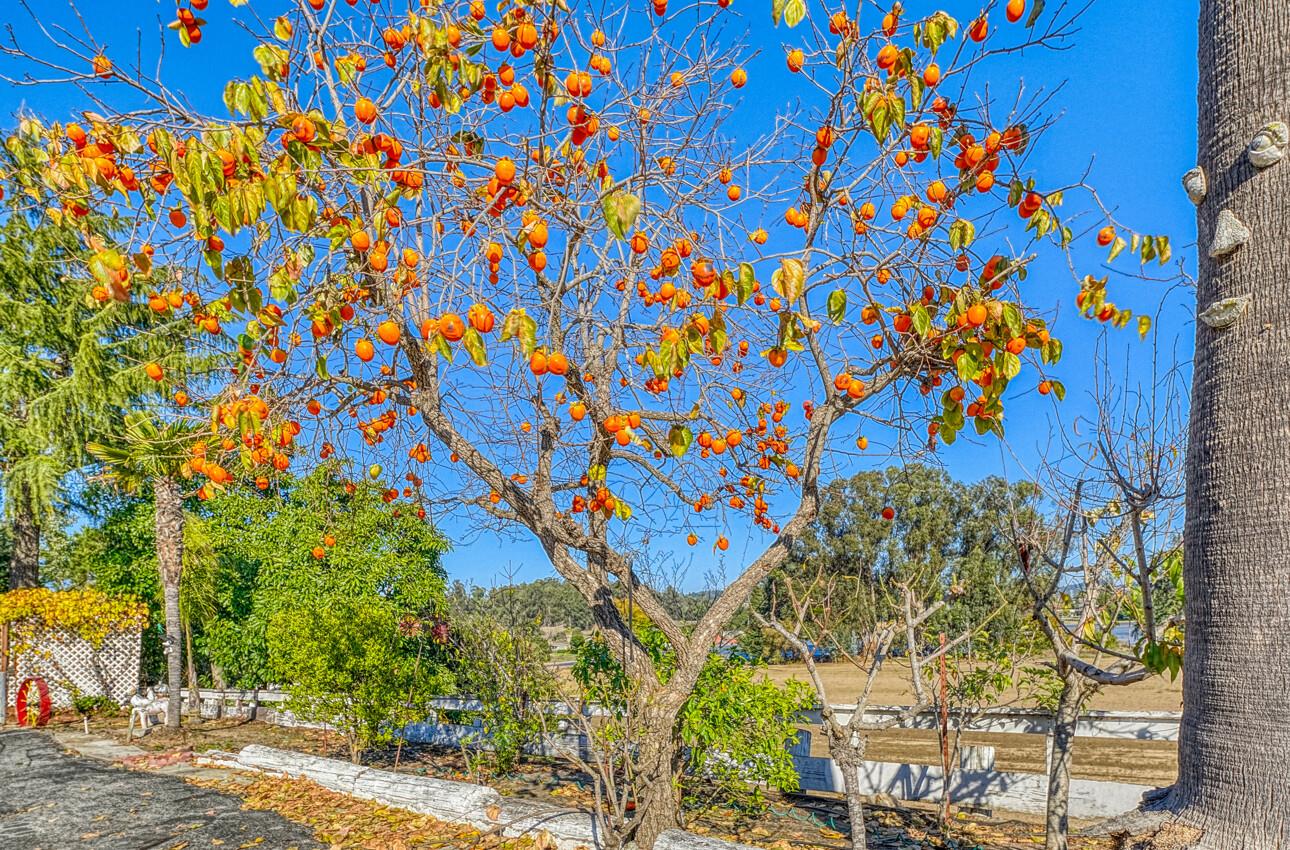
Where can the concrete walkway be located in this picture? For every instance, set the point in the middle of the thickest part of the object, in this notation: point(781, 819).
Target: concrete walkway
point(51, 800)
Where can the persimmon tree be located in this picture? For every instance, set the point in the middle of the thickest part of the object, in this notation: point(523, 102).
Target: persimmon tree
point(548, 265)
point(1109, 554)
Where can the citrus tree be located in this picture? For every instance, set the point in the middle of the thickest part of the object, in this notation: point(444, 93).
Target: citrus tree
point(545, 264)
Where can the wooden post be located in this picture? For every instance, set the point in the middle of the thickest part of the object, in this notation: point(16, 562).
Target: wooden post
point(4, 673)
point(945, 736)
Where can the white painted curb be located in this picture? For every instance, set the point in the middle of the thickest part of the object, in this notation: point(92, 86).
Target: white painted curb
point(454, 802)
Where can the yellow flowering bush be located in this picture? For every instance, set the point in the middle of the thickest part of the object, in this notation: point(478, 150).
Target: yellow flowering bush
point(89, 614)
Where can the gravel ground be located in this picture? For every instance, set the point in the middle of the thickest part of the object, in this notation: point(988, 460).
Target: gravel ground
point(50, 800)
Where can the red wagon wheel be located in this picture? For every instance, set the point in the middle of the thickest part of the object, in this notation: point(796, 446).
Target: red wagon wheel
point(33, 705)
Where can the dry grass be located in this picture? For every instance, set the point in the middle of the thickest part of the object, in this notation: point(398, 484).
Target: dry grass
point(842, 681)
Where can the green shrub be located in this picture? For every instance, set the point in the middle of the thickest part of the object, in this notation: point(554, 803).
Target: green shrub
point(735, 727)
point(505, 669)
point(87, 706)
point(355, 664)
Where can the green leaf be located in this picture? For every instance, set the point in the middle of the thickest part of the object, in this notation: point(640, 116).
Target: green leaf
point(897, 109)
point(881, 119)
point(794, 12)
point(520, 326)
point(789, 332)
point(1116, 247)
point(1015, 191)
point(1035, 11)
point(916, 89)
point(777, 10)
point(920, 319)
point(936, 141)
point(1012, 318)
point(679, 438)
point(837, 305)
point(272, 59)
point(1058, 389)
point(621, 210)
point(1148, 248)
point(231, 93)
point(744, 282)
point(1009, 365)
point(962, 233)
point(717, 334)
point(473, 342)
point(952, 416)
point(320, 369)
point(1163, 249)
point(281, 286)
point(969, 363)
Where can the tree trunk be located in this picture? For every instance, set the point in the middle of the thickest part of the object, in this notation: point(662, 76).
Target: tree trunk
point(169, 522)
point(847, 752)
point(855, 806)
point(190, 663)
point(24, 565)
point(1234, 742)
point(654, 788)
point(1061, 742)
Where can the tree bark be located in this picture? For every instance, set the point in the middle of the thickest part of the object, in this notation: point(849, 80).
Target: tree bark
point(1061, 742)
point(169, 527)
point(847, 752)
point(24, 565)
point(1234, 741)
point(654, 786)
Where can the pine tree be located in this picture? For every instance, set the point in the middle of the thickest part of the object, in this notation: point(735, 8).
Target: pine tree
point(71, 366)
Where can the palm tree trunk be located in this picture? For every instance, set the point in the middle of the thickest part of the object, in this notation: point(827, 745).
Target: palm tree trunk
point(1234, 741)
point(169, 522)
point(24, 566)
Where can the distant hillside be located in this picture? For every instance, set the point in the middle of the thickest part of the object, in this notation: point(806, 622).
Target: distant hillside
point(553, 602)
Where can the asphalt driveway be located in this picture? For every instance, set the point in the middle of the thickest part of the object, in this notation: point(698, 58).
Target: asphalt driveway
point(50, 800)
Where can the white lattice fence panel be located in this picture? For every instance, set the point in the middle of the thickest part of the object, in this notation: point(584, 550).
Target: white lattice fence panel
point(69, 663)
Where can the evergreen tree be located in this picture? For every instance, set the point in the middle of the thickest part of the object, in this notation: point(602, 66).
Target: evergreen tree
point(72, 366)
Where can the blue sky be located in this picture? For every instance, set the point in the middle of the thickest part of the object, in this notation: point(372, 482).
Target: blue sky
point(1132, 131)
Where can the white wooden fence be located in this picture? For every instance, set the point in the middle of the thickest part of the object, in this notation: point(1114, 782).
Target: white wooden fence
point(977, 782)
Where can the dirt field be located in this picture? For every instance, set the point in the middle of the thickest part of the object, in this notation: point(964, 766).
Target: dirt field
point(1146, 762)
point(843, 681)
